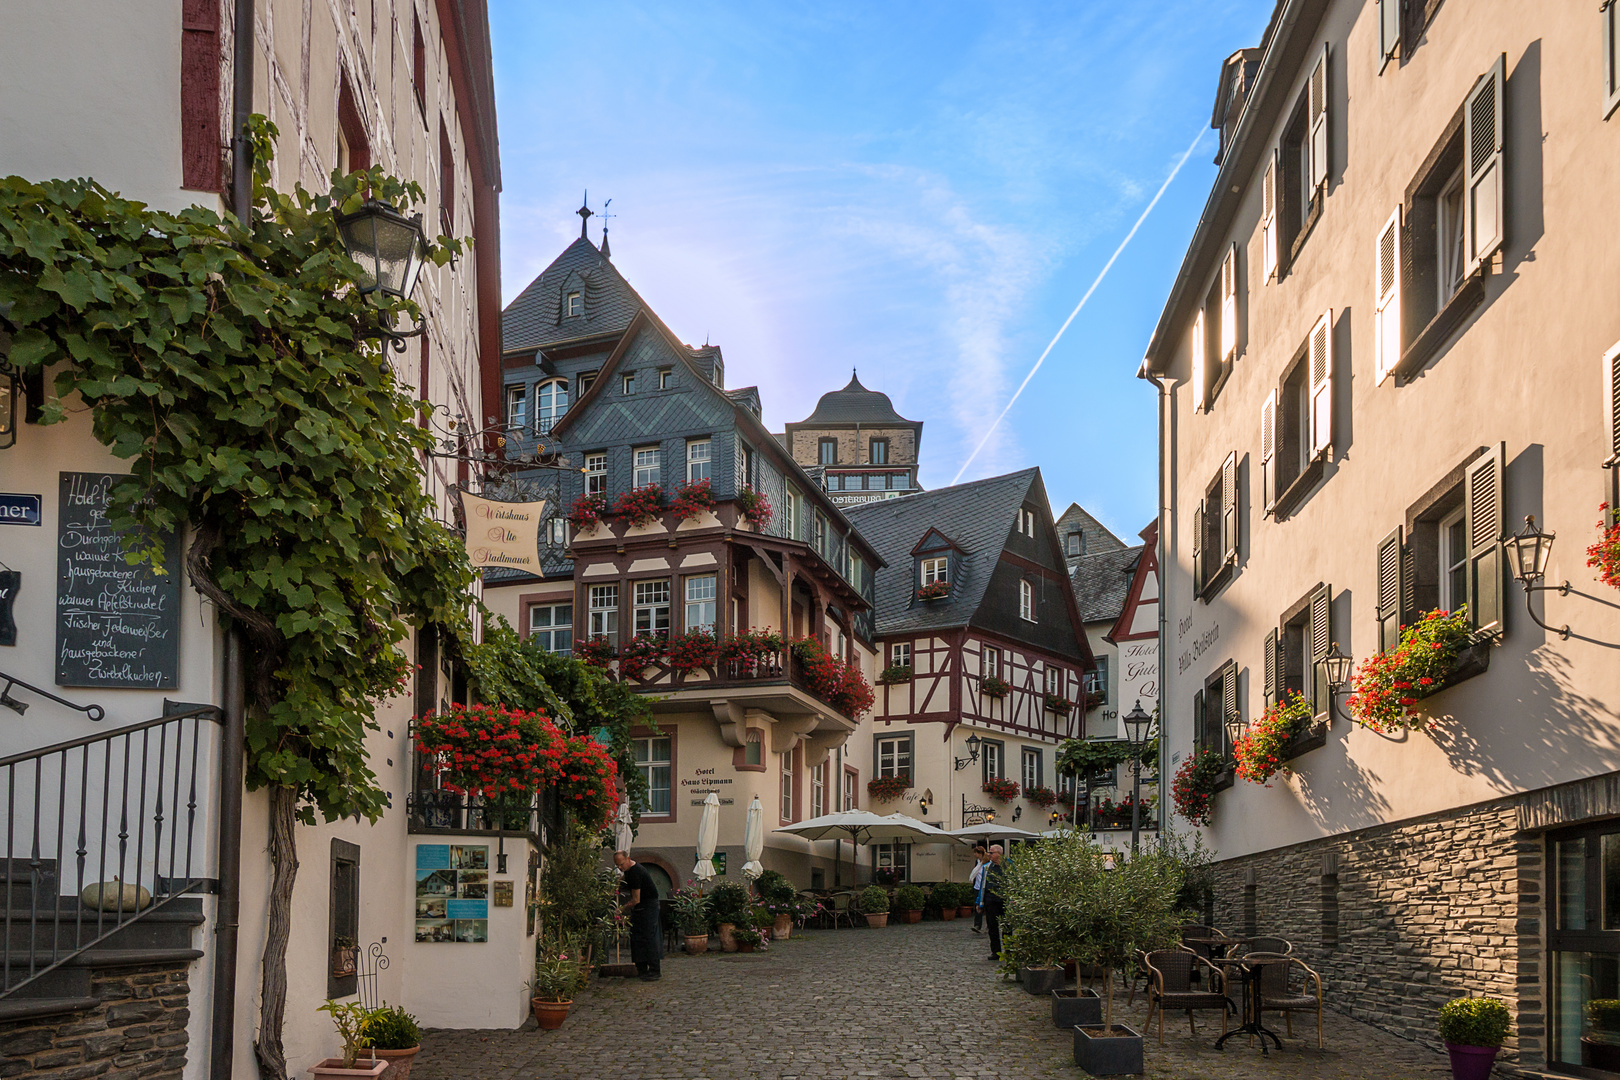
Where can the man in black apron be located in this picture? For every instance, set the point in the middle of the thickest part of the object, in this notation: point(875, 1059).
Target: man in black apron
point(640, 902)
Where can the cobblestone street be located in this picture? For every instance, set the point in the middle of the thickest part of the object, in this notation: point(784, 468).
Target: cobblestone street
point(905, 1001)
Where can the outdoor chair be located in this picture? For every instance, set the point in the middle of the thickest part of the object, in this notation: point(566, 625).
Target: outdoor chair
point(1279, 993)
point(800, 920)
point(1169, 986)
point(1277, 945)
point(840, 908)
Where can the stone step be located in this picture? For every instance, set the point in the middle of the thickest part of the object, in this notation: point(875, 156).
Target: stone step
point(165, 928)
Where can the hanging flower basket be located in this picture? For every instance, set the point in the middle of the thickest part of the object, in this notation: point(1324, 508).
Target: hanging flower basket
point(640, 506)
point(888, 788)
point(1059, 704)
point(744, 653)
point(992, 687)
point(1260, 753)
point(1001, 790)
point(588, 511)
point(1386, 685)
point(1604, 556)
point(692, 650)
point(595, 651)
point(692, 499)
point(754, 506)
point(1194, 788)
point(934, 590)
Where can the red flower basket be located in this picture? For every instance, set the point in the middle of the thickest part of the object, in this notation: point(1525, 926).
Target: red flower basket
point(640, 653)
point(588, 511)
point(1194, 788)
point(1386, 685)
point(640, 506)
point(692, 499)
point(1003, 790)
point(1259, 754)
point(595, 651)
point(888, 788)
point(692, 650)
point(1604, 556)
point(1041, 796)
point(934, 590)
point(754, 506)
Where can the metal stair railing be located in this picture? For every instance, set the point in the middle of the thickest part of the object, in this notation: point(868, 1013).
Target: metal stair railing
point(120, 804)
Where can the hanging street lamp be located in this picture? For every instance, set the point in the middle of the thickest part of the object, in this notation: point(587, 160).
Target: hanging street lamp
point(390, 248)
point(1530, 549)
point(10, 391)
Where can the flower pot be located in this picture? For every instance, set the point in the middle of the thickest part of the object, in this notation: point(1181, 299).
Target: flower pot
point(1108, 1052)
point(947, 914)
point(965, 911)
point(727, 942)
point(549, 1014)
point(1079, 1007)
point(1600, 1055)
point(782, 928)
point(399, 1062)
point(697, 943)
point(1471, 1062)
point(880, 919)
point(364, 1069)
point(912, 916)
point(744, 947)
point(1041, 981)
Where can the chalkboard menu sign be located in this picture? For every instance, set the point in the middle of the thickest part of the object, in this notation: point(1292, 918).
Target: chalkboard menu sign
point(116, 624)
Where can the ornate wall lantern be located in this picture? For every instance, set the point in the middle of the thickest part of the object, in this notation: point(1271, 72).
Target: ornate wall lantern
point(1530, 548)
point(390, 248)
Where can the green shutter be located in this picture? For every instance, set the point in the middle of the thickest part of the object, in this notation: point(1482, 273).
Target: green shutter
point(1198, 549)
point(1316, 648)
point(1390, 565)
point(1229, 509)
point(1482, 507)
point(1229, 705)
point(1199, 739)
point(1269, 666)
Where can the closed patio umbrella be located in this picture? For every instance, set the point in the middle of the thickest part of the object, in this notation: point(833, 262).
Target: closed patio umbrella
point(754, 840)
point(623, 834)
point(708, 837)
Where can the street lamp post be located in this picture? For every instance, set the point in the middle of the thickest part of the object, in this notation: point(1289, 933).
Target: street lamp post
point(1137, 724)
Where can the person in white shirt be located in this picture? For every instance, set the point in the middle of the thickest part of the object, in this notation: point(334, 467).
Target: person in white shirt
point(981, 860)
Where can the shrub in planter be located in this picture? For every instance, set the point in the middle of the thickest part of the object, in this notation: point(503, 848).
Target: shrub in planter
point(1473, 1030)
point(692, 650)
point(754, 507)
point(888, 788)
point(992, 687)
point(1386, 685)
point(728, 903)
point(874, 900)
point(641, 505)
point(588, 511)
point(692, 499)
point(1260, 753)
point(1195, 785)
point(395, 1037)
point(1003, 790)
point(910, 899)
point(747, 938)
point(1604, 556)
point(894, 673)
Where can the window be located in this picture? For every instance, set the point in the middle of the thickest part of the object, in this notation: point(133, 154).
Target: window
point(551, 626)
point(1026, 601)
point(787, 785)
point(573, 305)
point(343, 913)
point(646, 466)
point(1448, 235)
point(700, 595)
point(857, 572)
point(934, 570)
point(354, 150)
point(1053, 679)
point(1031, 773)
point(650, 607)
point(1611, 59)
point(653, 759)
point(1214, 344)
point(992, 759)
point(818, 790)
point(1582, 919)
point(629, 383)
point(586, 381)
point(852, 780)
point(754, 748)
point(879, 452)
point(1298, 171)
point(1296, 422)
point(664, 377)
point(827, 452)
point(517, 408)
point(1452, 538)
point(447, 181)
point(990, 662)
point(604, 613)
point(1097, 682)
point(419, 66)
point(1026, 522)
point(1212, 705)
point(1215, 531)
point(596, 474)
point(893, 755)
point(1291, 657)
point(749, 476)
point(557, 529)
point(792, 513)
point(899, 481)
point(551, 403)
point(819, 541)
point(698, 462)
point(1077, 543)
point(1611, 423)
point(900, 654)
point(893, 857)
point(1389, 31)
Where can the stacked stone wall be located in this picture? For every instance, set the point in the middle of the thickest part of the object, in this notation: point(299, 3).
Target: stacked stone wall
point(137, 1029)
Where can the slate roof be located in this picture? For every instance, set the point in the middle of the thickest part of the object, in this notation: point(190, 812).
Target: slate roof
point(854, 404)
point(1102, 582)
point(976, 517)
point(1098, 537)
point(535, 320)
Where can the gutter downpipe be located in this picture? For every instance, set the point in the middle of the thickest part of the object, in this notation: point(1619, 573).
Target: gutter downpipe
point(1146, 372)
point(222, 1027)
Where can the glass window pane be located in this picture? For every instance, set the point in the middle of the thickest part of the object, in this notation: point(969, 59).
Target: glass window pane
point(658, 789)
point(1611, 881)
point(1586, 1001)
point(1571, 859)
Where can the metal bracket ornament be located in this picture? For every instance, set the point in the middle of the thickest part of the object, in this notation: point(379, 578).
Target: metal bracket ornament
point(95, 712)
point(458, 441)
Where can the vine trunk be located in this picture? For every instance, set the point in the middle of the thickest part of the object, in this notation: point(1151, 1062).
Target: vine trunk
point(273, 986)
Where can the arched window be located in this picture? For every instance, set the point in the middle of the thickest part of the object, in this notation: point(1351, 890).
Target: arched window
point(551, 402)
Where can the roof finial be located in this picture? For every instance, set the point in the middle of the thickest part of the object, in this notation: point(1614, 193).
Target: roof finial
point(584, 213)
point(606, 254)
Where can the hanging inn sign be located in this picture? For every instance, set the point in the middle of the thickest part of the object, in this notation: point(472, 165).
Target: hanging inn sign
point(503, 533)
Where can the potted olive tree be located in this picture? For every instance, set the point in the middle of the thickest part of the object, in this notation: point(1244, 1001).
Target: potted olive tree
point(349, 1018)
point(1473, 1029)
point(394, 1037)
point(909, 901)
point(874, 904)
point(1041, 915)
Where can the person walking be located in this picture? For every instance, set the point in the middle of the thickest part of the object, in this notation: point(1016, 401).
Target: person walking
point(981, 859)
point(990, 898)
point(641, 904)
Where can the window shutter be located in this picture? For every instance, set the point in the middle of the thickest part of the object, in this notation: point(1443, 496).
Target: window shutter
point(1268, 450)
point(1269, 664)
point(1229, 705)
point(1229, 517)
point(1387, 320)
point(1200, 738)
point(1268, 217)
point(1198, 548)
point(1611, 57)
point(1229, 304)
point(1317, 648)
point(1390, 565)
point(1482, 146)
point(1319, 117)
point(1482, 503)
point(1611, 410)
point(200, 138)
point(1322, 384)
point(1389, 30)
point(1198, 379)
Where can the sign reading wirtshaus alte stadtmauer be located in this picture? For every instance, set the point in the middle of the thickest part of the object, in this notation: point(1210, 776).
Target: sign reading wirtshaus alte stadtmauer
point(116, 624)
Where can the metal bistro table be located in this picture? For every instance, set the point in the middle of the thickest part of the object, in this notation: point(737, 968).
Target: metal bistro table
point(1248, 970)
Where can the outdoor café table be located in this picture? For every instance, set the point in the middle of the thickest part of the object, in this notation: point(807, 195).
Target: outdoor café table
point(1248, 972)
point(1217, 946)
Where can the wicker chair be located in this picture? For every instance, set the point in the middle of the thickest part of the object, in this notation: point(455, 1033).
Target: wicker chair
point(840, 908)
point(1278, 992)
point(1170, 987)
point(1276, 945)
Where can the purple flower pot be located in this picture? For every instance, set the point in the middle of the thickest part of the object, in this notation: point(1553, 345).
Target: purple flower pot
point(1471, 1062)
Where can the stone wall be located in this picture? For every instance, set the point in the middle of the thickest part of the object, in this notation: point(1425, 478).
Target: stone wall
point(806, 448)
point(136, 1029)
point(1401, 918)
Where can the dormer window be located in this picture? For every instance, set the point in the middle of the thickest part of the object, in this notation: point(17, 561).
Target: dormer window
point(574, 305)
point(1026, 522)
point(933, 579)
point(934, 570)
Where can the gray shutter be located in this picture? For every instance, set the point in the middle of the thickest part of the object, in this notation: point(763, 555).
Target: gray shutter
point(1320, 641)
point(1198, 549)
point(1321, 385)
point(1319, 117)
point(1200, 738)
point(1483, 223)
point(1269, 665)
point(1390, 565)
point(1389, 30)
point(1387, 317)
point(1229, 704)
point(1268, 450)
point(1229, 514)
point(1482, 506)
point(1611, 407)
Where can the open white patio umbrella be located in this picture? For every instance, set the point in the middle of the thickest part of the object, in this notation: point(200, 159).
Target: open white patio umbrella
point(865, 827)
point(754, 840)
point(623, 834)
point(708, 837)
point(989, 829)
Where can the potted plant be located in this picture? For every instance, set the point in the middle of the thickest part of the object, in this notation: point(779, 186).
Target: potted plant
point(692, 915)
point(874, 904)
point(909, 900)
point(1194, 786)
point(394, 1037)
point(747, 938)
point(763, 920)
point(946, 897)
point(343, 958)
point(1473, 1030)
point(349, 1019)
point(993, 687)
point(781, 900)
point(1000, 789)
point(558, 975)
point(966, 900)
point(894, 674)
point(728, 908)
point(1600, 1046)
point(888, 788)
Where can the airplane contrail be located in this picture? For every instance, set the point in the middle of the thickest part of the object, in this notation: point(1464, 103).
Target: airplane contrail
point(1100, 275)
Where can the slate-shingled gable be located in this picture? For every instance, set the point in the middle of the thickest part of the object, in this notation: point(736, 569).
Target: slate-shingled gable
point(534, 320)
point(1102, 582)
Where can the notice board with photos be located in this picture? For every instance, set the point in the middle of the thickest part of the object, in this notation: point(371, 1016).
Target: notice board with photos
point(452, 893)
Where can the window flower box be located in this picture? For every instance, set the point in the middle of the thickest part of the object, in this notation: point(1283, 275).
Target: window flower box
point(992, 687)
point(1197, 781)
point(1001, 790)
point(754, 507)
point(1604, 556)
point(640, 653)
point(692, 650)
point(895, 674)
point(692, 500)
point(888, 788)
point(1041, 796)
point(588, 511)
point(1262, 751)
point(1059, 704)
point(640, 506)
point(595, 651)
point(1095, 698)
point(1436, 652)
point(934, 590)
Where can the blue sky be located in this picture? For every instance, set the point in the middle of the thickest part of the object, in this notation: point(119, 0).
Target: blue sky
point(921, 191)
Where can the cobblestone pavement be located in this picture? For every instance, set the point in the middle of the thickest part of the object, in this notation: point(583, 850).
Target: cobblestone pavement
point(903, 1001)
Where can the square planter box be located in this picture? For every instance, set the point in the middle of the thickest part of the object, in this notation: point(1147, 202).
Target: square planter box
point(1080, 1007)
point(364, 1069)
point(1041, 981)
point(1119, 1054)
